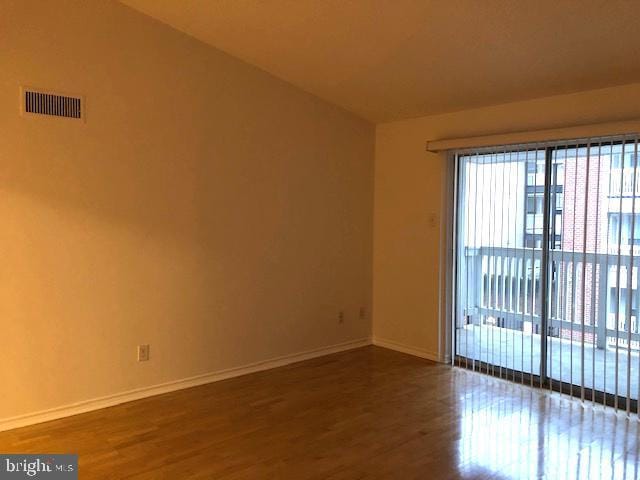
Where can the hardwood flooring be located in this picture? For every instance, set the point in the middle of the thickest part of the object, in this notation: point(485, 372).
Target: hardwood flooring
point(366, 413)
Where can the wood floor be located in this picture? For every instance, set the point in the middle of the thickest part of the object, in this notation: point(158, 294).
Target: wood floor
point(366, 413)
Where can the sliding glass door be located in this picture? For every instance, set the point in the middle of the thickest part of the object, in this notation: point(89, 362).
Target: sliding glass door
point(547, 267)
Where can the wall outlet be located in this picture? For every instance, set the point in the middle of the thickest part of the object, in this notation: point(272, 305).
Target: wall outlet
point(143, 353)
point(363, 313)
point(341, 316)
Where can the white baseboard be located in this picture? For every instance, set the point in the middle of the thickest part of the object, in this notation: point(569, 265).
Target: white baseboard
point(123, 397)
point(415, 351)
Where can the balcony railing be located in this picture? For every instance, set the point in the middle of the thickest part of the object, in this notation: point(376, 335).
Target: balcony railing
point(501, 286)
point(624, 184)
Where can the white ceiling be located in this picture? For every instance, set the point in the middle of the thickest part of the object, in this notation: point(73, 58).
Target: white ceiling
point(393, 59)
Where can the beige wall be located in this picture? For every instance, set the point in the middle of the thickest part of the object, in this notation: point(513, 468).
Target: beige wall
point(409, 190)
point(205, 208)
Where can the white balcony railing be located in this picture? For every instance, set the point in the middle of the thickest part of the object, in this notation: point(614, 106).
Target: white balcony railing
point(625, 183)
point(501, 286)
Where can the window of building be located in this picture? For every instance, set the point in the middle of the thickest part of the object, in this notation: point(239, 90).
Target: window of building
point(622, 233)
point(630, 160)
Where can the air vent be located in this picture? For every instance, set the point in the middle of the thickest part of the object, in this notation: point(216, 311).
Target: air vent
point(53, 104)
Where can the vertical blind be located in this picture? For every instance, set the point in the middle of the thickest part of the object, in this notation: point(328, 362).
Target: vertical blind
point(547, 242)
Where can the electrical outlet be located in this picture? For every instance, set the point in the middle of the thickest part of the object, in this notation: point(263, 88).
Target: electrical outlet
point(363, 313)
point(143, 353)
point(341, 316)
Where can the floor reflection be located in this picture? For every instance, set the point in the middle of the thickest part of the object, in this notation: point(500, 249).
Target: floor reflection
point(519, 432)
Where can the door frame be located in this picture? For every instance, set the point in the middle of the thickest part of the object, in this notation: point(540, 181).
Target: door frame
point(452, 204)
